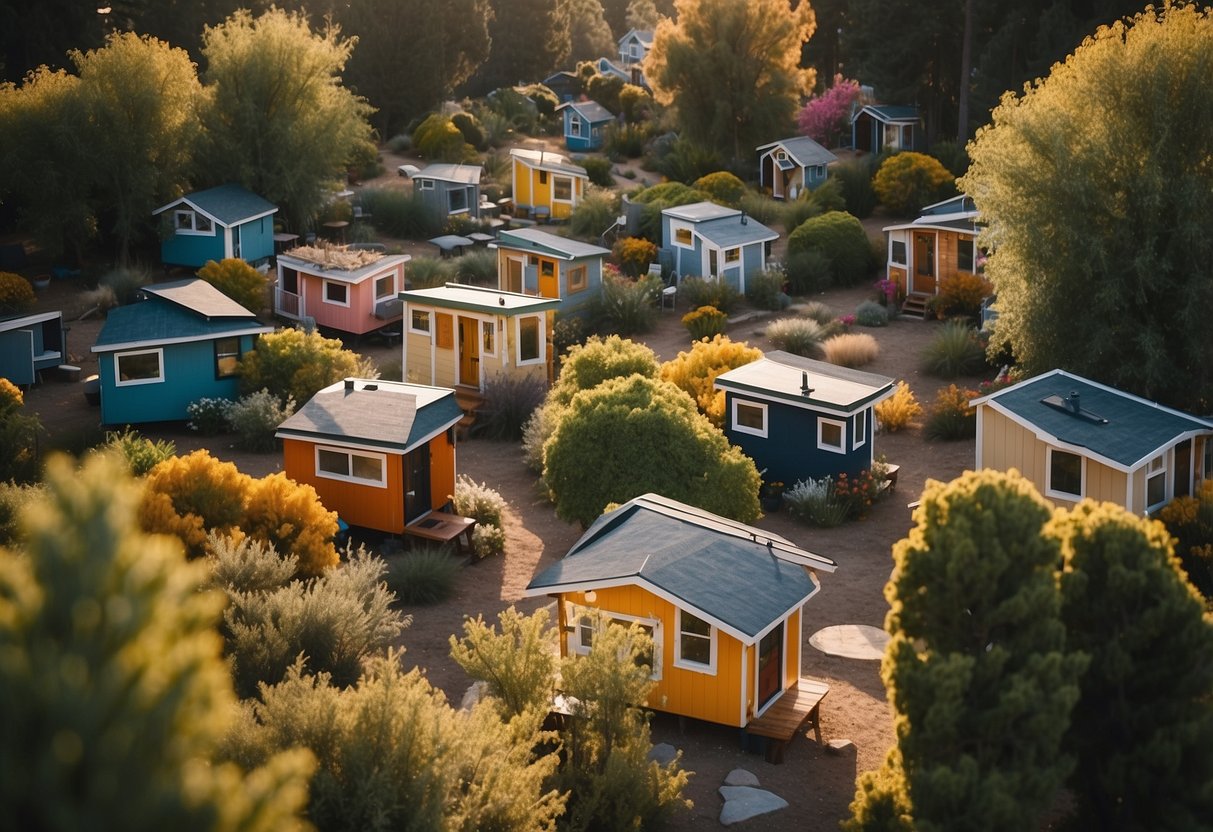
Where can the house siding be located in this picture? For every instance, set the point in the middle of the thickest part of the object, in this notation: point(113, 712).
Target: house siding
point(426, 363)
point(529, 191)
point(256, 239)
point(358, 318)
point(193, 249)
point(946, 265)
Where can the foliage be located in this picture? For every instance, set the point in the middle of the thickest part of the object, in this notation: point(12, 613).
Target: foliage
point(855, 179)
point(469, 126)
point(18, 436)
point(764, 290)
point(598, 168)
point(705, 322)
point(659, 197)
point(427, 272)
point(694, 371)
point(112, 670)
point(812, 501)
point(398, 213)
point(295, 364)
point(952, 156)
point(761, 207)
point(594, 214)
point(605, 89)
point(954, 351)
point(1189, 519)
point(598, 360)
point(634, 255)
point(826, 117)
point(517, 664)
point(951, 417)
point(256, 417)
point(483, 504)
point(907, 181)
point(290, 517)
point(625, 307)
point(681, 159)
point(509, 401)
point(882, 799)
point(567, 331)
point(871, 313)
point(699, 291)
point(857, 494)
point(851, 349)
point(623, 140)
point(961, 294)
point(642, 435)
point(238, 280)
point(125, 282)
point(589, 34)
point(897, 411)
point(817, 311)
point(439, 140)
point(739, 95)
point(840, 237)
point(188, 496)
point(136, 451)
point(809, 272)
point(241, 564)
point(800, 336)
point(423, 575)
point(13, 501)
point(722, 187)
point(208, 416)
point(478, 268)
point(795, 212)
point(635, 103)
point(16, 294)
point(537, 430)
point(1123, 220)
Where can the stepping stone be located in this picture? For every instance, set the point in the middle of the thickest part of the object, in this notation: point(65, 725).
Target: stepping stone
point(840, 747)
point(663, 753)
point(742, 803)
point(851, 641)
point(741, 777)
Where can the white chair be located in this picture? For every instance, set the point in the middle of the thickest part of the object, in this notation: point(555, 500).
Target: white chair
point(669, 295)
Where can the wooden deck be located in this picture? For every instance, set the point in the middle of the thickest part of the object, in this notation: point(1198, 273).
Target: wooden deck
point(798, 708)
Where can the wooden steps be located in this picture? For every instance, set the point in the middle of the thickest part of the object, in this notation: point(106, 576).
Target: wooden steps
point(915, 305)
point(798, 708)
point(469, 402)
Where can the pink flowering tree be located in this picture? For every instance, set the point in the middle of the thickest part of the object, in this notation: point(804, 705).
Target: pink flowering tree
point(825, 117)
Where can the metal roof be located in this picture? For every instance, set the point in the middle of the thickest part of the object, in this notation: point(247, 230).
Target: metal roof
point(479, 299)
point(533, 239)
point(547, 160)
point(700, 211)
point(591, 111)
point(390, 415)
point(174, 313)
point(804, 150)
point(459, 174)
point(227, 205)
point(781, 376)
point(198, 296)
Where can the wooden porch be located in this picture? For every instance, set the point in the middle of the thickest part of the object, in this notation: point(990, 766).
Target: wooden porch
point(798, 709)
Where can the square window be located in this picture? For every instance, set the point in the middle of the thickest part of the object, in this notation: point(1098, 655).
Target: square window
point(830, 435)
point(419, 321)
point(457, 201)
point(574, 126)
point(332, 462)
point(366, 468)
point(1065, 474)
point(897, 252)
point(577, 279)
point(350, 466)
point(964, 255)
point(562, 188)
point(336, 293)
point(732, 255)
point(227, 357)
point(385, 287)
point(695, 643)
point(547, 268)
point(184, 220)
point(750, 417)
point(1156, 482)
point(144, 367)
point(426, 184)
point(682, 236)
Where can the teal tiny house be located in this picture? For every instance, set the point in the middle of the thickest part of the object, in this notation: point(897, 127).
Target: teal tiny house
point(585, 124)
point(30, 344)
point(215, 224)
point(534, 262)
point(181, 342)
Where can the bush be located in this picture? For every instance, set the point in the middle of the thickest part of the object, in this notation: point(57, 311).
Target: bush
point(478, 268)
point(509, 402)
point(238, 280)
point(952, 156)
point(428, 272)
point(545, 100)
point(683, 160)
point(897, 411)
point(290, 517)
point(438, 139)
point(423, 575)
point(293, 364)
point(705, 322)
point(950, 416)
point(858, 493)
point(256, 417)
point(828, 196)
point(625, 307)
point(659, 197)
point(599, 360)
point(400, 143)
point(536, 432)
point(800, 336)
point(871, 313)
point(488, 541)
point(854, 179)
point(722, 187)
point(18, 436)
point(954, 351)
point(208, 416)
point(1189, 519)
point(188, 496)
point(137, 452)
point(13, 501)
point(241, 564)
point(398, 213)
point(635, 103)
point(624, 141)
point(809, 272)
point(598, 168)
point(487, 507)
point(840, 237)
point(695, 371)
point(125, 283)
point(817, 311)
point(633, 255)
point(16, 294)
point(566, 332)
point(798, 211)
point(698, 291)
point(764, 290)
point(907, 181)
point(851, 349)
point(812, 501)
point(594, 214)
point(469, 127)
point(761, 207)
point(961, 294)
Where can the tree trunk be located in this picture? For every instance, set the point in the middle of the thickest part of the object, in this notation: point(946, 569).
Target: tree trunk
point(966, 70)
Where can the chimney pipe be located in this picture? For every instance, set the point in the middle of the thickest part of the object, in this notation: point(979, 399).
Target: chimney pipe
point(349, 385)
point(1072, 402)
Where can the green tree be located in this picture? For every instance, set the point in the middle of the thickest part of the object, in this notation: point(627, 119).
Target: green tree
point(841, 239)
point(278, 120)
point(731, 70)
point(639, 435)
point(518, 664)
point(238, 280)
point(19, 462)
point(1142, 731)
point(293, 363)
point(589, 35)
point(722, 187)
point(1094, 182)
point(977, 670)
point(907, 181)
point(587, 365)
point(529, 38)
point(112, 675)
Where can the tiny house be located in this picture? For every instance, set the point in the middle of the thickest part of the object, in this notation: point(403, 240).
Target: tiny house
point(534, 262)
point(714, 242)
point(30, 344)
point(379, 453)
point(349, 290)
point(939, 244)
point(880, 127)
point(721, 600)
point(585, 124)
point(791, 166)
point(449, 190)
point(215, 224)
point(634, 46)
point(545, 184)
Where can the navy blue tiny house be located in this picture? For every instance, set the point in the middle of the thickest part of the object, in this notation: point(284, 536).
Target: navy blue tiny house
point(215, 224)
point(799, 418)
point(585, 124)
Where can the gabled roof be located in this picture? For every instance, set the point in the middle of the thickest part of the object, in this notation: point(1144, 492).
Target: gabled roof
point(608, 67)
point(226, 205)
point(1134, 430)
point(722, 227)
point(479, 299)
point(591, 111)
point(955, 214)
point(803, 150)
point(738, 577)
point(390, 416)
point(547, 160)
point(533, 239)
point(781, 376)
point(175, 313)
point(889, 113)
point(644, 36)
point(11, 322)
point(459, 174)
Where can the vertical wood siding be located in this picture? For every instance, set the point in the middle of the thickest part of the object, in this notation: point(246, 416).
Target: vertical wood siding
point(360, 505)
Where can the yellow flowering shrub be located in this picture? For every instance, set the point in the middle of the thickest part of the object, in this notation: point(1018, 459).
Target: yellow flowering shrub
point(704, 322)
point(897, 411)
point(695, 371)
point(290, 516)
point(187, 496)
point(16, 294)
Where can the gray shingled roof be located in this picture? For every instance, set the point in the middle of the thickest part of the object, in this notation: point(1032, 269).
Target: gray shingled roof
point(227, 205)
point(591, 111)
point(804, 150)
point(780, 375)
point(185, 310)
point(460, 174)
point(533, 239)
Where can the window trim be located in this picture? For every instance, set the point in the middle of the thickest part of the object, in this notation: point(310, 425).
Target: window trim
point(425, 184)
point(732, 255)
point(575, 126)
point(708, 669)
point(578, 612)
point(1050, 491)
point(557, 181)
point(134, 382)
point(451, 210)
point(1162, 471)
point(350, 478)
point(859, 436)
point(764, 431)
point(391, 293)
point(542, 346)
point(822, 445)
point(429, 321)
point(235, 373)
point(488, 345)
point(324, 293)
point(193, 230)
point(581, 272)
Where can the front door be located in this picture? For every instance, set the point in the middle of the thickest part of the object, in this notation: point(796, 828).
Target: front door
point(923, 279)
point(469, 352)
point(513, 275)
point(549, 282)
point(713, 263)
point(1182, 486)
point(770, 665)
point(416, 483)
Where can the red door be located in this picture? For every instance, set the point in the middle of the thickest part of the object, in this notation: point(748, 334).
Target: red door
point(770, 665)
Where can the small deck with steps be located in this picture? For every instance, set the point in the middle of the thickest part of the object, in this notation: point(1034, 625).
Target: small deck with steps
point(799, 708)
point(915, 305)
point(469, 402)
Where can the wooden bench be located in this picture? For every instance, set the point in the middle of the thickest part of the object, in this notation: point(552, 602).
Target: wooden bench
point(799, 708)
point(444, 528)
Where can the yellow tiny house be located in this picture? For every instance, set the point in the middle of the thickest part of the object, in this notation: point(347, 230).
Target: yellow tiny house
point(545, 184)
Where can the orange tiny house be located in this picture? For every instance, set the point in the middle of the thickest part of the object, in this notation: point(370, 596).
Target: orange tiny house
point(721, 600)
point(940, 244)
point(379, 453)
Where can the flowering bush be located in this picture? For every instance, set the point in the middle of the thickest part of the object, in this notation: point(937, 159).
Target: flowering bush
point(999, 382)
point(857, 493)
point(16, 294)
point(486, 506)
point(634, 255)
point(950, 416)
point(812, 501)
point(845, 322)
point(209, 416)
point(887, 291)
point(898, 410)
point(704, 322)
point(825, 117)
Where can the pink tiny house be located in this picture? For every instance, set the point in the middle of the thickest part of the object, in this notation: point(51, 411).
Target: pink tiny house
point(347, 290)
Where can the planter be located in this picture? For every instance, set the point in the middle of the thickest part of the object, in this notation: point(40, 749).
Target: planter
point(42, 282)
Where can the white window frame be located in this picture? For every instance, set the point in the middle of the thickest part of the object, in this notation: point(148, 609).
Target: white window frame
point(390, 293)
point(348, 452)
point(740, 428)
point(819, 171)
point(429, 321)
point(1082, 477)
point(708, 669)
point(488, 343)
point(1151, 473)
point(675, 227)
point(133, 382)
point(192, 229)
point(860, 437)
point(518, 341)
point(781, 155)
point(575, 645)
point(219, 356)
point(575, 126)
point(558, 180)
point(822, 445)
point(324, 293)
point(425, 184)
point(732, 255)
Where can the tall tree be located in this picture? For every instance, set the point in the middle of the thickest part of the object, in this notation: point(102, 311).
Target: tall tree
point(1143, 728)
point(113, 693)
point(278, 120)
point(1096, 186)
point(589, 35)
point(731, 70)
point(530, 38)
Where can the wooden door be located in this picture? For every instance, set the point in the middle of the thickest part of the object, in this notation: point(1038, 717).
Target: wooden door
point(923, 273)
point(1182, 485)
point(416, 483)
point(469, 352)
point(549, 282)
point(770, 665)
point(513, 275)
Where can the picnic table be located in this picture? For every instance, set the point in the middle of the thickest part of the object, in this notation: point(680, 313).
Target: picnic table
point(448, 243)
point(443, 527)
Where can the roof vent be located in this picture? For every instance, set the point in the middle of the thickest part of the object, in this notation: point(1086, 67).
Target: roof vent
point(371, 387)
point(744, 219)
point(349, 385)
point(1071, 406)
point(805, 389)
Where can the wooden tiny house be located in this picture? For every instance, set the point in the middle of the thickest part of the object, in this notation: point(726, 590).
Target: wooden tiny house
point(940, 243)
point(721, 600)
point(348, 290)
point(379, 453)
point(545, 184)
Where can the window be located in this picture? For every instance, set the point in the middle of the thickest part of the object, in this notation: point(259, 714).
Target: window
point(589, 622)
point(351, 466)
point(830, 435)
point(425, 184)
point(682, 236)
point(562, 188)
point(819, 171)
point(457, 201)
point(547, 268)
point(186, 221)
point(1156, 482)
point(781, 155)
point(488, 337)
point(732, 255)
point(574, 126)
point(897, 252)
point(444, 334)
point(696, 645)
point(143, 367)
point(1065, 475)
point(227, 357)
point(750, 417)
point(577, 279)
point(385, 287)
point(419, 322)
point(336, 293)
point(543, 177)
point(530, 346)
point(964, 255)
point(861, 429)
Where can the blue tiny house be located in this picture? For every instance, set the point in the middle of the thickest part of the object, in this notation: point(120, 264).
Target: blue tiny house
point(799, 418)
point(585, 124)
point(879, 127)
point(222, 222)
point(181, 342)
point(790, 166)
point(30, 344)
point(534, 262)
point(716, 243)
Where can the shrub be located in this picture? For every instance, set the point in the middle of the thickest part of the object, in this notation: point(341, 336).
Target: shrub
point(801, 336)
point(594, 214)
point(812, 501)
point(293, 364)
point(18, 436)
point(950, 416)
point(625, 306)
point(635, 103)
point(698, 291)
point(598, 168)
point(101, 299)
point(798, 211)
point(871, 313)
point(854, 179)
point(208, 416)
point(599, 360)
point(13, 501)
point(125, 283)
point(238, 280)
point(907, 181)
point(545, 100)
point(290, 517)
point(851, 349)
point(624, 140)
point(961, 294)
point(256, 417)
point(817, 311)
point(16, 294)
point(398, 213)
point(705, 322)
point(898, 410)
point(685, 161)
point(722, 187)
point(400, 143)
point(952, 156)
point(188, 496)
point(809, 272)
point(840, 237)
point(241, 564)
point(428, 272)
point(694, 371)
point(488, 541)
point(509, 402)
point(423, 575)
point(761, 207)
point(1189, 519)
point(659, 197)
point(858, 493)
point(828, 196)
point(487, 507)
point(438, 139)
point(954, 351)
point(469, 127)
point(566, 332)
point(137, 452)
point(478, 268)
point(363, 162)
point(536, 432)
point(764, 290)
point(634, 255)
